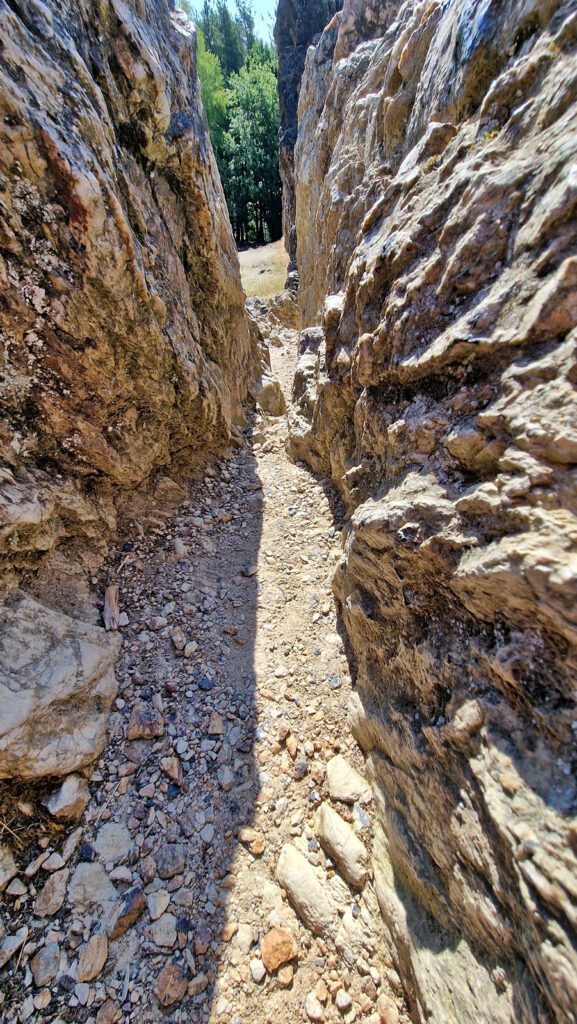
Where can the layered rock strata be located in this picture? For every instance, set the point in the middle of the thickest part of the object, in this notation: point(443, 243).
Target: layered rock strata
point(436, 221)
point(122, 318)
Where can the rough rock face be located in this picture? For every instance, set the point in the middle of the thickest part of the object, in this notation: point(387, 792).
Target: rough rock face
point(56, 688)
point(122, 314)
point(298, 22)
point(437, 229)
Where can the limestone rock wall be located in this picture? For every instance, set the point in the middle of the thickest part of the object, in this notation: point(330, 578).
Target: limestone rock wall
point(124, 337)
point(298, 23)
point(437, 237)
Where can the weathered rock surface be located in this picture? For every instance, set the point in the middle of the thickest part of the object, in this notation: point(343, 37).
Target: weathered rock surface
point(436, 194)
point(124, 334)
point(56, 687)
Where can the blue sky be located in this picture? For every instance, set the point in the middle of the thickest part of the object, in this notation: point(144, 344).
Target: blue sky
point(264, 16)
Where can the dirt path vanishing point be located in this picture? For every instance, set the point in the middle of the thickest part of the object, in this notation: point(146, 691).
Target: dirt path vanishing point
point(196, 888)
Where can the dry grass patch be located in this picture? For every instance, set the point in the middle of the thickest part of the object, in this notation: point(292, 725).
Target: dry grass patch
point(264, 270)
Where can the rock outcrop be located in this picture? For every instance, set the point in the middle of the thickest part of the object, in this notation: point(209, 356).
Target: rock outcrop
point(125, 339)
point(436, 221)
point(298, 23)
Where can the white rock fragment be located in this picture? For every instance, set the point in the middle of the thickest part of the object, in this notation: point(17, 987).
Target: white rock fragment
point(342, 845)
point(345, 783)
point(311, 898)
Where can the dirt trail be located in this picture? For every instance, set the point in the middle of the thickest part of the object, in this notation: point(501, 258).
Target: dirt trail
point(232, 700)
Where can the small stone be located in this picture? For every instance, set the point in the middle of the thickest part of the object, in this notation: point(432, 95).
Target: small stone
point(69, 801)
point(313, 1008)
point(54, 863)
point(108, 1013)
point(171, 985)
point(51, 897)
point(198, 985)
point(257, 971)
point(292, 745)
point(171, 860)
point(343, 846)
point(113, 843)
point(172, 768)
point(125, 912)
point(145, 722)
point(178, 638)
point(16, 888)
point(245, 937)
point(343, 1001)
point(157, 903)
point(216, 725)
point(164, 931)
point(321, 991)
point(387, 1009)
point(7, 866)
point(225, 778)
point(45, 964)
point(310, 897)
point(82, 991)
point(254, 840)
point(42, 999)
point(285, 976)
point(11, 943)
point(278, 947)
point(90, 885)
point(179, 547)
point(92, 958)
point(345, 783)
point(201, 940)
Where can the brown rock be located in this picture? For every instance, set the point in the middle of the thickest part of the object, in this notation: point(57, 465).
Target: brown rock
point(92, 958)
point(51, 896)
point(255, 841)
point(108, 1013)
point(171, 985)
point(172, 767)
point(125, 912)
point(171, 860)
point(285, 976)
point(277, 947)
point(145, 722)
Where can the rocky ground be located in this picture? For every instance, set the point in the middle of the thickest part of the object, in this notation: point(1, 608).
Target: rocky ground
point(220, 869)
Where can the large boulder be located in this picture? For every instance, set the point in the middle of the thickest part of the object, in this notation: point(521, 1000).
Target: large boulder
point(57, 684)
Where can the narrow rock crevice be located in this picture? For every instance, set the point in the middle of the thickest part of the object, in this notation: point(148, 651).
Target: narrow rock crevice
point(289, 738)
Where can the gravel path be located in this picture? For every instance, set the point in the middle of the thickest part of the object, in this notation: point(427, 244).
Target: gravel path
point(195, 887)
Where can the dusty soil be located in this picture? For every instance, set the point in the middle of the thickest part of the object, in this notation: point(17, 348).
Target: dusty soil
point(231, 645)
point(263, 271)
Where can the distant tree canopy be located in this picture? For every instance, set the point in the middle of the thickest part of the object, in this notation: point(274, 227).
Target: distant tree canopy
point(238, 80)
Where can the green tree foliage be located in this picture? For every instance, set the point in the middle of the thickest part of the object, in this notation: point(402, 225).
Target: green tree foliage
point(250, 158)
point(238, 79)
point(213, 92)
